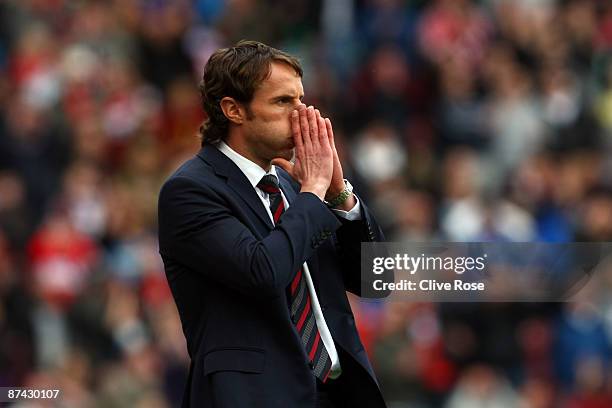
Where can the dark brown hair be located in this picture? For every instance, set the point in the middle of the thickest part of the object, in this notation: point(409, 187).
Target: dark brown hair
point(235, 72)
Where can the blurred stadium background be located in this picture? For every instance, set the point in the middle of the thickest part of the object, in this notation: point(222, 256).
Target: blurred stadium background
point(459, 120)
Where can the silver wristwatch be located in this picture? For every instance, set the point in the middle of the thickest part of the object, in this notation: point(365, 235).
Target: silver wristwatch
point(342, 197)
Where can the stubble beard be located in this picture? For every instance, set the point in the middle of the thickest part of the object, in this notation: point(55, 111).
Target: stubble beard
point(265, 147)
point(268, 150)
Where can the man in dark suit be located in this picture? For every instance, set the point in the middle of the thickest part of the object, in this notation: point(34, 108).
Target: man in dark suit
point(259, 251)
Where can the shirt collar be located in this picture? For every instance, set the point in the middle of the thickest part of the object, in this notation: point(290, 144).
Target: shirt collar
point(252, 171)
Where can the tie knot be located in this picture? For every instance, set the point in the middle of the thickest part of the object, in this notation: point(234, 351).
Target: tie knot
point(269, 184)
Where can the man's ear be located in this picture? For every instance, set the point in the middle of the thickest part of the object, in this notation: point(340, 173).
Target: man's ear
point(233, 110)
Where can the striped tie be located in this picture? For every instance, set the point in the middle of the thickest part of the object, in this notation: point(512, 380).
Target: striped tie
point(301, 311)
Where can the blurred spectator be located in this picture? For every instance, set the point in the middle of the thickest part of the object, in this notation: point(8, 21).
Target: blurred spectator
point(582, 349)
point(60, 258)
point(378, 154)
point(454, 29)
point(480, 386)
point(15, 218)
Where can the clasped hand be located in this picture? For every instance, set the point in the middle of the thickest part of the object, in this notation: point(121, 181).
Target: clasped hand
point(316, 166)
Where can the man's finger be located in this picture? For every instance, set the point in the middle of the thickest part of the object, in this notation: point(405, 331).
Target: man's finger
point(296, 131)
point(319, 128)
point(330, 133)
point(322, 131)
point(305, 130)
point(314, 128)
point(322, 127)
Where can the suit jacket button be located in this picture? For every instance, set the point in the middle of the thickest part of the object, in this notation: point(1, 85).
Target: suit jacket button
point(311, 365)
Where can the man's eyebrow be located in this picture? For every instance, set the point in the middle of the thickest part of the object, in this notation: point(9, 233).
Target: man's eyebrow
point(286, 96)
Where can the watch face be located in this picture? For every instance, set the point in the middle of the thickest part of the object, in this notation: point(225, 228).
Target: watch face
point(349, 186)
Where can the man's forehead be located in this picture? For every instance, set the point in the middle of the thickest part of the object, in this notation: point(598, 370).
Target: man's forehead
point(283, 77)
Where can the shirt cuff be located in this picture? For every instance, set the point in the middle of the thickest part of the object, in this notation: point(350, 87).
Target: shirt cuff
point(353, 215)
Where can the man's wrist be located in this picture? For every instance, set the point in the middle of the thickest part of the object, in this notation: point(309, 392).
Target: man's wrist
point(316, 190)
point(348, 205)
point(342, 197)
point(334, 191)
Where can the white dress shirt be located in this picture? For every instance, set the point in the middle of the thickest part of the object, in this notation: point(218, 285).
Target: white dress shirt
point(254, 173)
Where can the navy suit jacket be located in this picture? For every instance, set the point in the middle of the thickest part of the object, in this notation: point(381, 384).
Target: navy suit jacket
point(228, 268)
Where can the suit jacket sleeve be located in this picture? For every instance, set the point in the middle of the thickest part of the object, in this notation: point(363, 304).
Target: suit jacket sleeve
point(198, 229)
point(349, 238)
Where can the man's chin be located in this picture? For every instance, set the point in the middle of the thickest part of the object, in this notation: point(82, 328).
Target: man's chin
point(286, 153)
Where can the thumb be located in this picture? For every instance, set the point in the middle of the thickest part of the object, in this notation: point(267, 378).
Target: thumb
point(284, 164)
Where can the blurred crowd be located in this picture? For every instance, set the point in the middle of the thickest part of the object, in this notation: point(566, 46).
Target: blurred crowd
point(456, 120)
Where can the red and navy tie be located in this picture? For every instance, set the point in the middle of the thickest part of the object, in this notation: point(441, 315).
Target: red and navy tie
point(300, 307)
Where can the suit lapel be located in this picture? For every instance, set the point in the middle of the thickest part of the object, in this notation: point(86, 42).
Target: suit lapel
point(236, 180)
